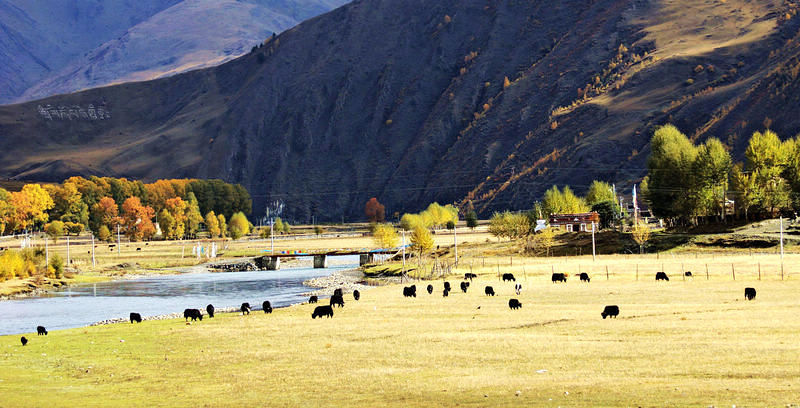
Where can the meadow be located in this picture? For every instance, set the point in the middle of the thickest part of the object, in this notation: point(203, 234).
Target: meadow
point(693, 342)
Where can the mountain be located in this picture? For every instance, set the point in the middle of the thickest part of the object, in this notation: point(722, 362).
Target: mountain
point(486, 103)
point(42, 53)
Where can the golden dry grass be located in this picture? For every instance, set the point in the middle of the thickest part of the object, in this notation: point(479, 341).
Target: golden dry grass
point(692, 343)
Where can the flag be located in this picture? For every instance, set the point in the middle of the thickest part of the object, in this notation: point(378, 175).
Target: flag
point(635, 203)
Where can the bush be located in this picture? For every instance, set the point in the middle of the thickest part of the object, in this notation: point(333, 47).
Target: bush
point(104, 234)
point(56, 266)
point(238, 225)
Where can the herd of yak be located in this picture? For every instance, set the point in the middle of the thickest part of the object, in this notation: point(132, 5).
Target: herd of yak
point(409, 291)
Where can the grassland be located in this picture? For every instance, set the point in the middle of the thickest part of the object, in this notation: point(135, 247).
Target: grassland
point(681, 343)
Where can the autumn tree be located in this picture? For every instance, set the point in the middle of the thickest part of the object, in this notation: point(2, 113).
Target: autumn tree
point(6, 210)
point(176, 208)
point(421, 241)
point(103, 233)
point(767, 158)
point(239, 226)
point(193, 215)
point(641, 234)
point(385, 236)
point(564, 201)
point(545, 239)
point(598, 192)
point(137, 219)
point(54, 230)
point(105, 213)
point(212, 224)
point(223, 226)
point(30, 206)
point(374, 210)
point(166, 222)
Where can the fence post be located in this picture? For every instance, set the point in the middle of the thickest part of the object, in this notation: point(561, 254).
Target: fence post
point(706, 271)
point(637, 272)
point(759, 271)
point(733, 272)
point(781, 270)
point(683, 272)
point(606, 272)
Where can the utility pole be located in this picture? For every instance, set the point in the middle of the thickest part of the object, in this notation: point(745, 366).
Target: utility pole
point(455, 242)
point(68, 250)
point(46, 253)
point(118, 242)
point(271, 237)
point(404, 252)
point(93, 261)
point(593, 245)
point(781, 241)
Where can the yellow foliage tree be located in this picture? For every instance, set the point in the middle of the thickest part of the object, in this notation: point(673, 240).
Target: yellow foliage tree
point(385, 236)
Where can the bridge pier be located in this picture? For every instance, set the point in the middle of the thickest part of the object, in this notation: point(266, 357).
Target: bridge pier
point(320, 261)
point(268, 263)
point(366, 259)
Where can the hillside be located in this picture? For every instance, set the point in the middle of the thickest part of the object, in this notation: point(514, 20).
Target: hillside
point(408, 101)
point(52, 47)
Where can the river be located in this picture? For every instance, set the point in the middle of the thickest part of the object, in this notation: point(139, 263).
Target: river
point(83, 305)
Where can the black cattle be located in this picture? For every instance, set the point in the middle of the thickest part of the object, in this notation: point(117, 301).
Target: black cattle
point(688, 274)
point(585, 277)
point(210, 310)
point(23, 340)
point(489, 291)
point(194, 314)
point(445, 293)
point(518, 288)
point(749, 293)
point(464, 286)
point(337, 300)
point(136, 317)
point(356, 294)
point(410, 291)
point(266, 307)
point(245, 309)
point(509, 277)
point(662, 276)
point(610, 311)
point(559, 277)
point(470, 276)
point(41, 331)
point(430, 289)
point(338, 292)
point(447, 286)
point(320, 311)
point(514, 304)
point(138, 249)
point(313, 299)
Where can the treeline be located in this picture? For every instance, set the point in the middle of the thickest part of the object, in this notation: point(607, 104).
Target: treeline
point(103, 204)
point(687, 181)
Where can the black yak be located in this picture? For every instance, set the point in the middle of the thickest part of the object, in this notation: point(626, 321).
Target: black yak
point(518, 288)
point(445, 293)
point(509, 277)
point(245, 309)
point(210, 310)
point(430, 289)
point(749, 293)
point(610, 311)
point(514, 304)
point(338, 292)
point(136, 317)
point(337, 300)
point(313, 299)
point(194, 314)
point(356, 295)
point(489, 291)
point(688, 274)
point(662, 276)
point(24, 341)
point(41, 331)
point(585, 277)
point(447, 286)
point(266, 307)
point(464, 286)
point(559, 277)
point(320, 311)
point(470, 276)
point(410, 291)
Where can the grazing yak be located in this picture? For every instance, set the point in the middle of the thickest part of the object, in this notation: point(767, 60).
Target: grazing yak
point(321, 311)
point(518, 288)
point(447, 286)
point(749, 293)
point(688, 274)
point(41, 331)
point(559, 277)
point(585, 277)
point(410, 291)
point(489, 291)
point(245, 309)
point(509, 277)
point(356, 295)
point(313, 299)
point(610, 311)
point(266, 307)
point(445, 293)
point(23, 340)
point(337, 300)
point(662, 276)
point(194, 314)
point(338, 292)
point(514, 304)
point(136, 317)
point(430, 289)
point(470, 276)
point(210, 310)
point(464, 286)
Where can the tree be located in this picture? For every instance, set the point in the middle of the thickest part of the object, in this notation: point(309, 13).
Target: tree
point(239, 226)
point(212, 224)
point(193, 215)
point(30, 206)
point(641, 234)
point(137, 219)
point(670, 171)
point(177, 209)
point(509, 225)
point(472, 219)
point(6, 210)
point(767, 158)
point(545, 239)
point(374, 210)
point(385, 236)
point(54, 230)
point(608, 211)
point(223, 226)
point(710, 179)
point(103, 233)
point(166, 222)
point(411, 221)
point(105, 212)
point(562, 202)
point(598, 192)
point(421, 241)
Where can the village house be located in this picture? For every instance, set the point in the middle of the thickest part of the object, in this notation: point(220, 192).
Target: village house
point(581, 222)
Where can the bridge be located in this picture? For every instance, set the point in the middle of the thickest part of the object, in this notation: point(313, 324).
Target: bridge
point(272, 262)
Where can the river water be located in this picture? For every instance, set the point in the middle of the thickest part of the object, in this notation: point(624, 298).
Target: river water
point(83, 305)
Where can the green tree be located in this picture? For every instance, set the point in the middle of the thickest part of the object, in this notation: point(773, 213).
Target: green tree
point(608, 211)
point(562, 202)
point(669, 171)
point(767, 159)
point(223, 226)
point(472, 219)
point(54, 230)
point(239, 226)
point(193, 215)
point(710, 178)
point(103, 234)
point(598, 192)
point(167, 223)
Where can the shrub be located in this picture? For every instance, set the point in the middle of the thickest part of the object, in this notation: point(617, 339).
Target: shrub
point(689, 81)
point(57, 266)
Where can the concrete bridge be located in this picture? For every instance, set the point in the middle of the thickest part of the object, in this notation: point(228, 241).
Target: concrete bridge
point(273, 262)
